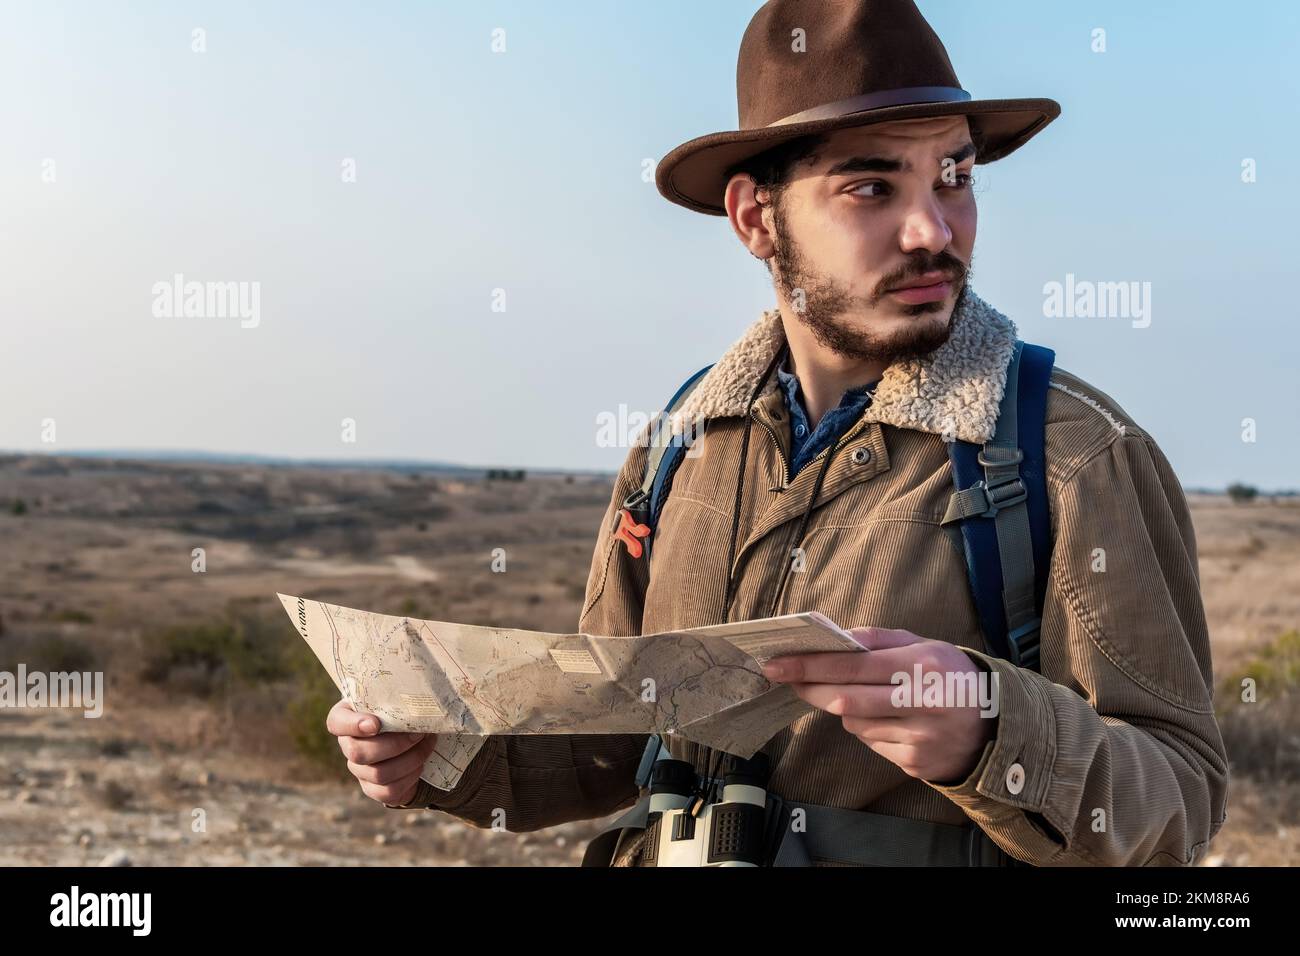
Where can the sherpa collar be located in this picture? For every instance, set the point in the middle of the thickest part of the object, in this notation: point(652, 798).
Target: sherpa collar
point(953, 392)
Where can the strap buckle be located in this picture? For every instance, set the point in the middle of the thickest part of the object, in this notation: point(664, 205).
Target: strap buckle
point(1003, 494)
point(1024, 643)
point(637, 505)
point(999, 462)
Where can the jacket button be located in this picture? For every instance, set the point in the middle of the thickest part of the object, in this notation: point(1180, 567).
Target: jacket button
point(1015, 778)
point(861, 456)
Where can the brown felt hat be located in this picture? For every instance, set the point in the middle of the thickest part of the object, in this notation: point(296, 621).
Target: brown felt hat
point(809, 66)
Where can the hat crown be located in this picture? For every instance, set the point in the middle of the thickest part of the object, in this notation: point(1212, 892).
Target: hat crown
point(800, 54)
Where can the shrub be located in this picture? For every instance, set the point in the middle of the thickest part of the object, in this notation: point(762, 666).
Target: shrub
point(73, 616)
point(1275, 670)
point(1242, 494)
point(48, 652)
point(1261, 737)
point(311, 697)
point(241, 646)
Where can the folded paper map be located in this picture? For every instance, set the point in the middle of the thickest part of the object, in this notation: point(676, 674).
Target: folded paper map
point(464, 682)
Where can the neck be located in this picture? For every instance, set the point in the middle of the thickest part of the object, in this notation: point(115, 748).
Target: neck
point(824, 376)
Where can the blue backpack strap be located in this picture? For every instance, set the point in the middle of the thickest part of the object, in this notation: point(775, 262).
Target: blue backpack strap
point(665, 455)
point(1007, 557)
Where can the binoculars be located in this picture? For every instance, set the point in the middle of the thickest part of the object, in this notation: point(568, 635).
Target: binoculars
point(684, 829)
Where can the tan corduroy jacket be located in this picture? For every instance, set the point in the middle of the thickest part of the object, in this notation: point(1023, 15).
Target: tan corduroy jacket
point(1121, 757)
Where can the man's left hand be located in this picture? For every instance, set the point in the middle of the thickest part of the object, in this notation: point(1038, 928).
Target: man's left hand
point(940, 744)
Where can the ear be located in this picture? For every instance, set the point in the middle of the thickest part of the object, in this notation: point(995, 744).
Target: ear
point(748, 216)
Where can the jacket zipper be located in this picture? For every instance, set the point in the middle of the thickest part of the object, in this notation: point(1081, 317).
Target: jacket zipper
point(785, 465)
point(785, 483)
point(785, 575)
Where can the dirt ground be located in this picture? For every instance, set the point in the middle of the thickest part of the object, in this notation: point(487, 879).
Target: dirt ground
point(72, 796)
point(100, 556)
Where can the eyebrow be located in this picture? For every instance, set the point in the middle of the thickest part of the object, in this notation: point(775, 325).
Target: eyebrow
point(884, 164)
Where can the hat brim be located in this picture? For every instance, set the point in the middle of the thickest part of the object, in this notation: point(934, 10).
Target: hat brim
point(693, 174)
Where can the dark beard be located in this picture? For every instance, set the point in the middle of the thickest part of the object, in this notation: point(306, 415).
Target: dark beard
point(825, 302)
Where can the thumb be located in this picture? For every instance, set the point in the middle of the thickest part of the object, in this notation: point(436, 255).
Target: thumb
point(879, 638)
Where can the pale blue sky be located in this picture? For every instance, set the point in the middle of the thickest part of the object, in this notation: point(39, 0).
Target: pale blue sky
point(522, 171)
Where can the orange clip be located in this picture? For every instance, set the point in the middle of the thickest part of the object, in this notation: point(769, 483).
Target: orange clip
point(631, 533)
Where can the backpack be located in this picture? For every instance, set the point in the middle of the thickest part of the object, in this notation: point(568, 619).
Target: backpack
point(999, 500)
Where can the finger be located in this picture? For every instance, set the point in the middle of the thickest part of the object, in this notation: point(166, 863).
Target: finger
point(373, 750)
point(830, 667)
point(887, 665)
point(851, 700)
point(879, 730)
point(894, 665)
point(902, 756)
point(343, 720)
point(877, 638)
point(390, 771)
point(843, 667)
point(402, 764)
point(395, 794)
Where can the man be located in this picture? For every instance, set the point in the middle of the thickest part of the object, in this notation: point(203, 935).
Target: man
point(850, 176)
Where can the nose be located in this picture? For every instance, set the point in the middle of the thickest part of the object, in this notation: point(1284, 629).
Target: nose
point(924, 227)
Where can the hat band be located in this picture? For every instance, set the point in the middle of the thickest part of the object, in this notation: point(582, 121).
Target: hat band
point(871, 101)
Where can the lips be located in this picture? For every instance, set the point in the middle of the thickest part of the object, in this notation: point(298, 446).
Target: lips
point(931, 287)
point(923, 281)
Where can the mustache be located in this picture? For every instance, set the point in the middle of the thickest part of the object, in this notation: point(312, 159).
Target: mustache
point(919, 265)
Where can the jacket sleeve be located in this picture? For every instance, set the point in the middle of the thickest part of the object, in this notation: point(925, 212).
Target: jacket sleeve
point(1112, 755)
point(527, 782)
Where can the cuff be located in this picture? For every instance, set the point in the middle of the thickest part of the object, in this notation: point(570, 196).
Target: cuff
point(425, 794)
point(429, 797)
point(1007, 793)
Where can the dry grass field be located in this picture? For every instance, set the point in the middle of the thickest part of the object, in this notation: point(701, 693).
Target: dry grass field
point(214, 707)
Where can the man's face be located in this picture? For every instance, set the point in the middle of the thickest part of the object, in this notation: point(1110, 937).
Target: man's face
point(872, 241)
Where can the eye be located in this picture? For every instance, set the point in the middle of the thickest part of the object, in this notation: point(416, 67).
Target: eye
point(857, 190)
point(961, 181)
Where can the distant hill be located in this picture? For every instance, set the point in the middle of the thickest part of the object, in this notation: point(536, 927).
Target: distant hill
point(268, 461)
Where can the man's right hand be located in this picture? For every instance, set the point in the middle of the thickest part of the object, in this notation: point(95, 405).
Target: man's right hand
point(386, 765)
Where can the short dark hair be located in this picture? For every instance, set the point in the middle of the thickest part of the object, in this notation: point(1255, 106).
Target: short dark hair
point(771, 168)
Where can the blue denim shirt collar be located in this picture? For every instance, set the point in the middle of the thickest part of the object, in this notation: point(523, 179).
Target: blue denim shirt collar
point(807, 443)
